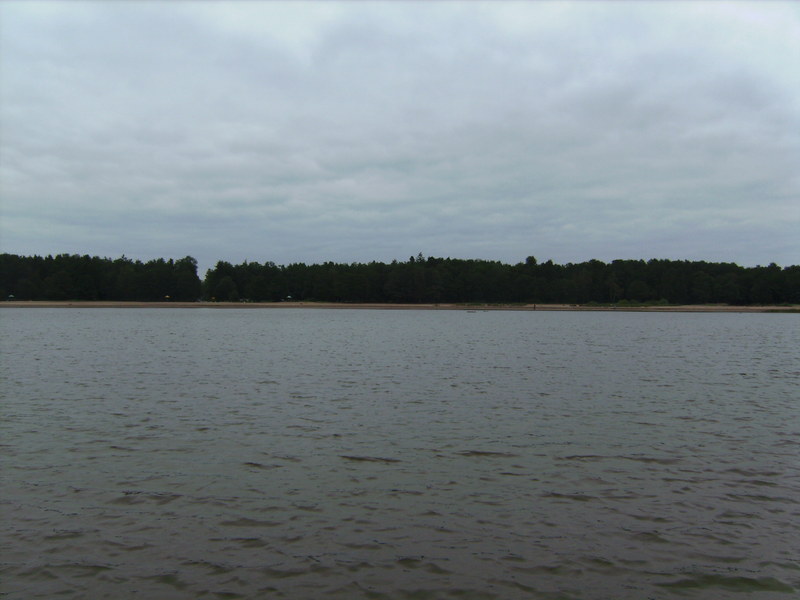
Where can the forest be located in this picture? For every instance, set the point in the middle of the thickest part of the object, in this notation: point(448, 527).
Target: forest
point(416, 280)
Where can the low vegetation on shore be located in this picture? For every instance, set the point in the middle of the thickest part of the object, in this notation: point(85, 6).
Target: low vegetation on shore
point(419, 280)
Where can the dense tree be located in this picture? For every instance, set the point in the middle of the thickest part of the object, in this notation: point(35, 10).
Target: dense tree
point(419, 279)
point(74, 277)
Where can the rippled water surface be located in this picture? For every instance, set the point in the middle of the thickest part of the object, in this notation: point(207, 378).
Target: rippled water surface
point(346, 454)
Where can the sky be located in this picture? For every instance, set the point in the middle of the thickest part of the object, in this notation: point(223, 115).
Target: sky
point(358, 131)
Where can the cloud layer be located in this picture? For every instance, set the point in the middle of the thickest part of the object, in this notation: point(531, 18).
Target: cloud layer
point(356, 131)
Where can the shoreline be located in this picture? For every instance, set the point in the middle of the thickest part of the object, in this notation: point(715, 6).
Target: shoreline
point(380, 306)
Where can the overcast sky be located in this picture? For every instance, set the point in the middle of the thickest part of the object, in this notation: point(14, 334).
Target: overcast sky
point(358, 131)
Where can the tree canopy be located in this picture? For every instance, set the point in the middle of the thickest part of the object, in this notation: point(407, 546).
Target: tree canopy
point(74, 277)
point(416, 280)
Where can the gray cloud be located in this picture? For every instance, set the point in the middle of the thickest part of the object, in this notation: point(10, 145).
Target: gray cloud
point(359, 131)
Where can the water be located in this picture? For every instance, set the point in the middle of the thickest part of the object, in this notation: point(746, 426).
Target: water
point(352, 454)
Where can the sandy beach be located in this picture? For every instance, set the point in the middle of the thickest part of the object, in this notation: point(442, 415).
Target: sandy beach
point(368, 306)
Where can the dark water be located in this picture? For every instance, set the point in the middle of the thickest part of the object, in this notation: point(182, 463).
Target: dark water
point(399, 454)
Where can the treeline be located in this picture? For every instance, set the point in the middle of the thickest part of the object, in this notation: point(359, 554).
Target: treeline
point(74, 277)
point(417, 280)
point(432, 280)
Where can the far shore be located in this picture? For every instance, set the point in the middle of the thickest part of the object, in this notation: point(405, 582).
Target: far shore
point(375, 306)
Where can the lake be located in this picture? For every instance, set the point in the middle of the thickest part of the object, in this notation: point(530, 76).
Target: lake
point(345, 454)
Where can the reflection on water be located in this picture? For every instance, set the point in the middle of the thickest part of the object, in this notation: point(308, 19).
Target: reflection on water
point(398, 454)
